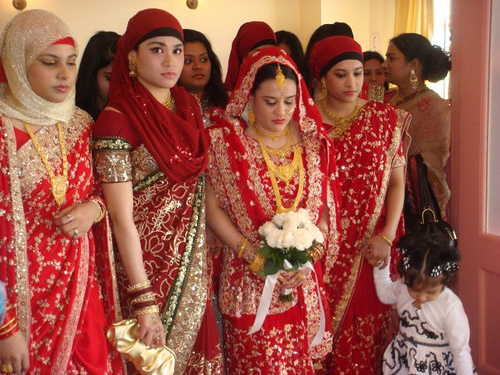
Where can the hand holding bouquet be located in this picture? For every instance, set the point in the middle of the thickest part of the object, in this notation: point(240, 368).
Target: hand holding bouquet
point(286, 241)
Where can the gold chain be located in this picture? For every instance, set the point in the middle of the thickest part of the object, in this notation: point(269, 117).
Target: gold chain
point(263, 133)
point(283, 151)
point(285, 173)
point(59, 183)
point(341, 123)
point(170, 102)
point(402, 99)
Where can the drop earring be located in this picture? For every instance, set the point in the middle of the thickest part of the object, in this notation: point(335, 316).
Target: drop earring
point(413, 80)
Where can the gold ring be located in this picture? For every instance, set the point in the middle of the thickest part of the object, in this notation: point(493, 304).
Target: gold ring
point(7, 367)
point(75, 232)
point(70, 218)
point(302, 277)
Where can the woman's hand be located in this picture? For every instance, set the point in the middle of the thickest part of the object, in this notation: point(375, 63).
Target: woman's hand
point(14, 352)
point(377, 251)
point(150, 330)
point(290, 280)
point(76, 220)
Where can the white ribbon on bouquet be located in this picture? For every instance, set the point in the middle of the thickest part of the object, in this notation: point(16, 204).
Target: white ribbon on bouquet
point(267, 295)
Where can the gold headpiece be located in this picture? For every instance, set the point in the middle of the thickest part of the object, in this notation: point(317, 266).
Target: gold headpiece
point(280, 77)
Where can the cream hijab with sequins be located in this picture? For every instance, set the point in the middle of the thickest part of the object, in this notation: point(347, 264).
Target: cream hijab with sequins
point(26, 36)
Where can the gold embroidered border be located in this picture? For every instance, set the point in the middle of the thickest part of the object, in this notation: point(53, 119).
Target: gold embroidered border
point(178, 306)
point(149, 180)
point(21, 247)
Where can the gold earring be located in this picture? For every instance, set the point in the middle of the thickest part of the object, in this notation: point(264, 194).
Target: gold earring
point(251, 116)
point(132, 70)
point(413, 80)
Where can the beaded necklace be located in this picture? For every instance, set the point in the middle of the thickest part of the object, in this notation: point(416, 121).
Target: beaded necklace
point(409, 97)
point(58, 184)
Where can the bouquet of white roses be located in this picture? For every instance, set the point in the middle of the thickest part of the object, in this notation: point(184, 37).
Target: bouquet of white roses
point(286, 241)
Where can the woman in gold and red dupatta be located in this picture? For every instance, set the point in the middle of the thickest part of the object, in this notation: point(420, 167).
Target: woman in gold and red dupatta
point(56, 318)
point(244, 193)
point(368, 137)
point(151, 154)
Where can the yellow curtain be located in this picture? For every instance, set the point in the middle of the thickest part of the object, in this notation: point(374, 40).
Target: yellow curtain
point(415, 16)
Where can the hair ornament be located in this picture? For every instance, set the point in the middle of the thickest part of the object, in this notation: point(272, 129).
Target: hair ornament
point(406, 262)
point(447, 267)
point(280, 77)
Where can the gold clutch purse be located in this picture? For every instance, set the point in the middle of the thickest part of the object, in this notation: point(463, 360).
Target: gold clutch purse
point(147, 360)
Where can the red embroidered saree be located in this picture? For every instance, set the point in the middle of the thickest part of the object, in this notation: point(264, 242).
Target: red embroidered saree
point(242, 186)
point(366, 154)
point(51, 279)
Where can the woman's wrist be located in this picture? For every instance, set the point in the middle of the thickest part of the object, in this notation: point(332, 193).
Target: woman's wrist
point(388, 240)
point(10, 324)
point(101, 207)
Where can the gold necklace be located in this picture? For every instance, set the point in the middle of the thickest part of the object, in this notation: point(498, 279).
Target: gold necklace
point(270, 135)
point(283, 151)
point(170, 102)
point(59, 184)
point(409, 97)
point(284, 173)
point(341, 123)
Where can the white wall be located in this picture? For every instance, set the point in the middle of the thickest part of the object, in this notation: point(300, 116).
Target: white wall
point(220, 19)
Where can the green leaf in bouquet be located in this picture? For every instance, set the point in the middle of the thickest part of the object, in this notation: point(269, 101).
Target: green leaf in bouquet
point(270, 267)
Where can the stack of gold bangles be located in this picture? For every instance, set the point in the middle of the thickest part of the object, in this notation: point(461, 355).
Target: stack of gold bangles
point(143, 299)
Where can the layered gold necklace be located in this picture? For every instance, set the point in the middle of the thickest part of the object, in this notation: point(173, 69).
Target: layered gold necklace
point(341, 123)
point(284, 172)
point(58, 184)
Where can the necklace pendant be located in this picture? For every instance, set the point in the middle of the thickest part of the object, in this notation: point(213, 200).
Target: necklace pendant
point(59, 189)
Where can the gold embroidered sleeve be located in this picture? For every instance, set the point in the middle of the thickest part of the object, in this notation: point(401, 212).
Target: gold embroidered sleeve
point(399, 161)
point(112, 159)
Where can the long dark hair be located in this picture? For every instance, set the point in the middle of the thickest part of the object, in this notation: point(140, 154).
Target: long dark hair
point(215, 89)
point(99, 53)
point(436, 63)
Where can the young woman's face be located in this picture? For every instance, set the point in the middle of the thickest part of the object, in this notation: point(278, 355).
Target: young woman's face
point(396, 68)
point(373, 72)
point(158, 62)
point(103, 77)
point(344, 81)
point(196, 71)
point(53, 73)
point(273, 106)
point(425, 294)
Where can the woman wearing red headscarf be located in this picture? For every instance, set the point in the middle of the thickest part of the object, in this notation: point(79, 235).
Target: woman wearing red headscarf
point(370, 160)
point(151, 154)
point(55, 320)
point(246, 190)
point(250, 36)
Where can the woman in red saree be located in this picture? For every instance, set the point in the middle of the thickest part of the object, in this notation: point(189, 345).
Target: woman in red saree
point(244, 193)
point(251, 36)
point(56, 318)
point(368, 139)
point(151, 153)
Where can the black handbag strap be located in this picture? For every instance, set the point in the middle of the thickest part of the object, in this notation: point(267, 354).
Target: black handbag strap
point(429, 207)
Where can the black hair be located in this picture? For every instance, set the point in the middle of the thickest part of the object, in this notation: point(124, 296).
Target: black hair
point(215, 89)
point(436, 63)
point(99, 53)
point(428, 261)
point(269, 71)
point(294, 44)
point(374, 55)
point(322, 32)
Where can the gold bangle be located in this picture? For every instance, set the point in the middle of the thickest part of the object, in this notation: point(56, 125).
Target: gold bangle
point(241, 248)
point(139, 286)
point(147, 310)
point(257, 265)
point(146, 297)
point(102, 211)
point(386, 239)
point(9, 329)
